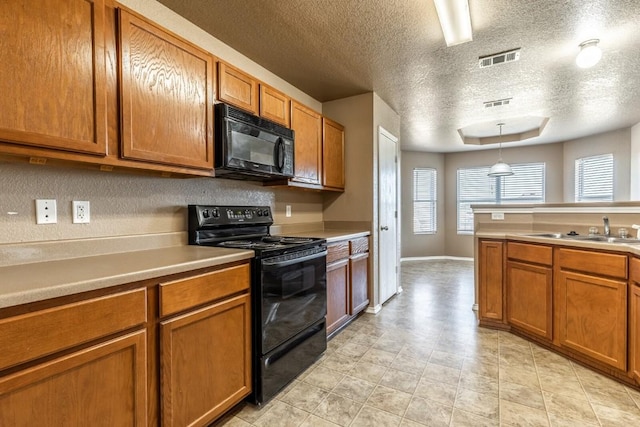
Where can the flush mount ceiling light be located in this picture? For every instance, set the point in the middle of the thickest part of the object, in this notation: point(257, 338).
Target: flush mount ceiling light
point(454, 20)
point(589, 54)
point(500, 168)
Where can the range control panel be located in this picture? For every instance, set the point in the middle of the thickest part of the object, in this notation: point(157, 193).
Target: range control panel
point(209, 215)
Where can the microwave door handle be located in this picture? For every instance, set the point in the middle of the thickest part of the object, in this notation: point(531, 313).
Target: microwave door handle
point(280, 154)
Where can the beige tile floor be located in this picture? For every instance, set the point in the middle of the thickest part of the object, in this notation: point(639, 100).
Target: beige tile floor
point(423, 361)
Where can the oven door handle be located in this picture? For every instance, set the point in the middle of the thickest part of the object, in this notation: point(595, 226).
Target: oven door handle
point(278, 264)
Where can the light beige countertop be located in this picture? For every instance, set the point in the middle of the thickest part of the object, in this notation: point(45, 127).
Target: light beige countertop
point(331, 235)
point(530, 236)
point(24, 283)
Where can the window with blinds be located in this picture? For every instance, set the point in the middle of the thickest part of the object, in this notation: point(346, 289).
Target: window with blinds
point(526, 185)
point(424, 201)
point(594, 179)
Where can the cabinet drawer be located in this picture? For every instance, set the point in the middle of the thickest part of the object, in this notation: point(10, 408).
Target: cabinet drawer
point(337, 251)
point(182, 294)
point(359, 245)
point(536, 254)
point(599, 263)
point(40, 333)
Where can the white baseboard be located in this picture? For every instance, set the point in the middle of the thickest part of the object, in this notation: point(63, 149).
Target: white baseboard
point(431, 258)
point(373, 310)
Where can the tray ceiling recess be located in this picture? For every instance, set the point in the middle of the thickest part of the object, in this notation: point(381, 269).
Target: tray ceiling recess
point(514, 129)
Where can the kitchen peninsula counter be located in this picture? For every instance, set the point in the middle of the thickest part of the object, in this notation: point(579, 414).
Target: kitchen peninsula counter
point(37, 281)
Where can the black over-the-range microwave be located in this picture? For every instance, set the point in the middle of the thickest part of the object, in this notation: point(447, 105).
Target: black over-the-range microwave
point(251, 148)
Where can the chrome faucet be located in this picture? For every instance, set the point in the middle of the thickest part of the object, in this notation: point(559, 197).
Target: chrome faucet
point(607, 229)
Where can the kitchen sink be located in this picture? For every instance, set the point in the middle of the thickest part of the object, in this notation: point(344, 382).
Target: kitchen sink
point(589, 238)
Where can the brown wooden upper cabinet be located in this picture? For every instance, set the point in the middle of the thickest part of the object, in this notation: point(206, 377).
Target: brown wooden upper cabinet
point(332, 154)
point(53, 75)
point(237, 88)
point(275, 105)
point(166, 96)
point(307, 125)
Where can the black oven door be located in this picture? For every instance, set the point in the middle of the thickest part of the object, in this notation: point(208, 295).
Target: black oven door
point(294, 296)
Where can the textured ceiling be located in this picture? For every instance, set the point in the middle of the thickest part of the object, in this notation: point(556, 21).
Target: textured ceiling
point(332, 49)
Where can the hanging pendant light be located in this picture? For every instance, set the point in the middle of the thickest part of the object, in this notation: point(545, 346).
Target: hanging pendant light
point(500, 168)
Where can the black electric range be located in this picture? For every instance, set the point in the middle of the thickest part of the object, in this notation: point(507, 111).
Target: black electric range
point(288, 290)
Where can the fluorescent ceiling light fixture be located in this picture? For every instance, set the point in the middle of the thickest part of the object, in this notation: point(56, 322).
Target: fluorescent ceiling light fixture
point(589, 54)
point(454, 20)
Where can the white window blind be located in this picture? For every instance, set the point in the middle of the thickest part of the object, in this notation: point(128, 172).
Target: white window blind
point(526, 185)
point(594, 179)
point(424, 201)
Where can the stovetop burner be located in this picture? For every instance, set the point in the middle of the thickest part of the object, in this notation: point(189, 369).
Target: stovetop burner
point(241, 227)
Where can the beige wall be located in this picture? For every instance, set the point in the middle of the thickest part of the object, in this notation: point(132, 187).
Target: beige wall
point(124, 205)
point(462, 244)
point(420, 245)
point(634, 164)
point(617, 142)
point(356, 115)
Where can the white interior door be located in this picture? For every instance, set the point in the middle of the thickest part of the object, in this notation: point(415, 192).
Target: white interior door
point(387, 215)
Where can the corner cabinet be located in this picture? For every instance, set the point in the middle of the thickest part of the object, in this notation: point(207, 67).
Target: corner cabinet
point(530, 288)
point(54, 77)
point(491, 295)
point(166, 96)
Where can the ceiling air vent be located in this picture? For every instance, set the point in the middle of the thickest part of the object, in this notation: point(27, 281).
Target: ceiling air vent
point(499, 58)
point(497, 102)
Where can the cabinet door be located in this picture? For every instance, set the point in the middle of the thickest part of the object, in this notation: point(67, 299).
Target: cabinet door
point(104, 385)
point(307, 125)
point(359, 274)
point(634, 330)
point(530, 297)
point(337, 294)
point(166, 96)
point(275, 105)
point(332, 154)
point(490, 280)
point(237, 88)
point(53, 74)
point(205, 359)
point(592, 314)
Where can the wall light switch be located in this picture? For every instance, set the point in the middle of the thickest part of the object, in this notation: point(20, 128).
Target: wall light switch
point(287, 211)
point(497, 216)
point(46, 212)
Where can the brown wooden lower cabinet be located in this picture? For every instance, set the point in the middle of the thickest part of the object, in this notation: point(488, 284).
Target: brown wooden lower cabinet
point(634, 319)
point(530, 298)
point(347, 281)
point(359, 278)
point(491, 281)
point(337, 294)
point(109, 358)
point(592, 315)
point(205, 361)
point(103, 385)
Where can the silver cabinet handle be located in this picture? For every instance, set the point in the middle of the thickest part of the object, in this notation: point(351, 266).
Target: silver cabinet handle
point(384, 228)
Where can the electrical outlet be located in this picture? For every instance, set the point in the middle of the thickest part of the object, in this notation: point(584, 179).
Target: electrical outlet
point(287, 211)
point(46, 212)
point(497, 216)
point(81, 213)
